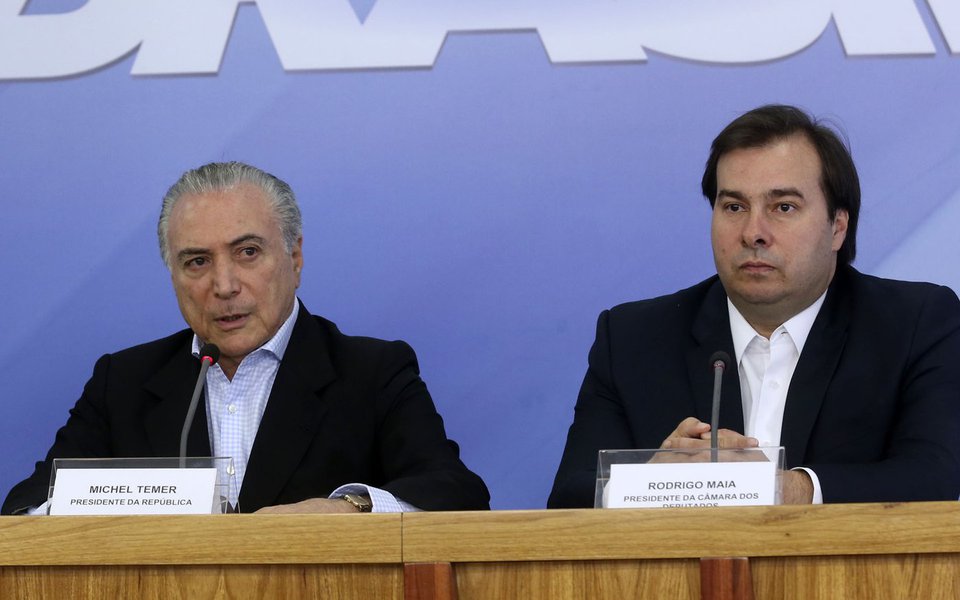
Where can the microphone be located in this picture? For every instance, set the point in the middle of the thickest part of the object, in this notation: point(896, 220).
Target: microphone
point(718, 362)
point(209, 354)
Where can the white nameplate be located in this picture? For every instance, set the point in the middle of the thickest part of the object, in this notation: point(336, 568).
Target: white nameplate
point(134, 492)
point(665, 485)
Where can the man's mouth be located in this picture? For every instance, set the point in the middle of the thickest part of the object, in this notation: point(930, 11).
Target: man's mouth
point(756, 266)
point(231, 319)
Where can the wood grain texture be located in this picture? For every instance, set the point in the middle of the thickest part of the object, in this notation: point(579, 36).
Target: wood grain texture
point(893, 577)
point(921, 527)
point(880, 577)
point(200, 540)
point(725, 579)
point(576, 580)
point(429, 581)
point(189, 583)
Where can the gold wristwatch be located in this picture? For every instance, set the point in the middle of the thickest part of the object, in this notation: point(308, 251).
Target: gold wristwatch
point(361, 503)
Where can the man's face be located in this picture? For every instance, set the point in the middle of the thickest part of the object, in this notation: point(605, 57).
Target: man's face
point(773, 241)
point(234, 280)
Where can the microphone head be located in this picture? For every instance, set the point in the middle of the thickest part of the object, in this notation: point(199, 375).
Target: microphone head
point(719, 360)
point(210, 352)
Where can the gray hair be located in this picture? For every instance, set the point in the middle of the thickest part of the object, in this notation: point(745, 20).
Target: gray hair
point(220, 176)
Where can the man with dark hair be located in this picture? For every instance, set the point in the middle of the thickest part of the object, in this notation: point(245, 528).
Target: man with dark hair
point(314, 420)
point(857, 377)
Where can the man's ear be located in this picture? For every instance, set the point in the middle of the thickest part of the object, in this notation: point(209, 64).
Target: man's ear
point(297, 255)
point(840, 221)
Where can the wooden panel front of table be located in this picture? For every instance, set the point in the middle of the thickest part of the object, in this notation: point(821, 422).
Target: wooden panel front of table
point(868, 551)
point(873, 551)
point(216, 556)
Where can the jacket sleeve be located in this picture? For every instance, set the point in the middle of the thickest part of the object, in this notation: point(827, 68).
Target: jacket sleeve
point(921, 454)
point(420, 464)
point(599, 423)
point(86, 434)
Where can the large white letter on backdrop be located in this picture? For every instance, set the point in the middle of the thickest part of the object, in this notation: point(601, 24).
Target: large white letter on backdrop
point(947, 13)
point(190, 36)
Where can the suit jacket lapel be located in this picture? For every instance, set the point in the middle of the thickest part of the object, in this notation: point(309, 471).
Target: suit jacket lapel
point(292, 416)
point(173, 385)
point(818, 362)
point(711, 332)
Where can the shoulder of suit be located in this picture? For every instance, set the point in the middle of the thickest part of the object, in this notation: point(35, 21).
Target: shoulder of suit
point(162, 347)
point(341, 344)
point(867, 287)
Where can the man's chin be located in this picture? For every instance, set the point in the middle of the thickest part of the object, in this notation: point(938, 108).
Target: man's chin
point(759, 295)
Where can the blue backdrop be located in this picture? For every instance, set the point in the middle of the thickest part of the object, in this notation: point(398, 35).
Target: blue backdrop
point(481, 193)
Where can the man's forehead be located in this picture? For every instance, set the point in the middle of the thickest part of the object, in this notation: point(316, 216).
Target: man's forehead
point(242, 194)
point(790, 157)
point(223, 214)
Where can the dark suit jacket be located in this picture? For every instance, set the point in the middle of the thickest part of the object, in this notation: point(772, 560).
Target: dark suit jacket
point(873, 407)
point(342, 409)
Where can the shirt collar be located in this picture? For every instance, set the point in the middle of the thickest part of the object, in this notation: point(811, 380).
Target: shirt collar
point(277, 345)
point(797, 326)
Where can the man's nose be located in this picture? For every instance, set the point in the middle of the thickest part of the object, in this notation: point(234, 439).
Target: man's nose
point(225, 282)
point(756, 230)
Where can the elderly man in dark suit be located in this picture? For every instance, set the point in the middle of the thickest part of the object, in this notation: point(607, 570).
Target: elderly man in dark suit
point(857, 377)
point(315, 420)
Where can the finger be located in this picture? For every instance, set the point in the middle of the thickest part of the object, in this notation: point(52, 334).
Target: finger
point(733, 440)
point(691, 427)
point(685, 443)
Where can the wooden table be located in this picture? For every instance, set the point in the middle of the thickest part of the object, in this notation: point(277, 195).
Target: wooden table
point(873, 551)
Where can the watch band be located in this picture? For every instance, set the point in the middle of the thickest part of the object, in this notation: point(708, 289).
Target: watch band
point(361, 503)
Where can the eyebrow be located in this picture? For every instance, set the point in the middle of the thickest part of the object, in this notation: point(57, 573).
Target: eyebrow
point(784, 192)
point(774, 193)
point(243, 239)
point(730, 194)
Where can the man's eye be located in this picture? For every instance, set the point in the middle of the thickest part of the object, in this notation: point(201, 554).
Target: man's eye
point(249, 251)
point(734, 208)
point(198, 261)
point(784, 207)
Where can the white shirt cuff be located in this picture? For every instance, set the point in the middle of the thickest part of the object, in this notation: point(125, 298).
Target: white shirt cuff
point(817, 492)
point(382, 500)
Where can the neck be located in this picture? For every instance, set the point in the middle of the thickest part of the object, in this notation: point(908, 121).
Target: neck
point(229, 367)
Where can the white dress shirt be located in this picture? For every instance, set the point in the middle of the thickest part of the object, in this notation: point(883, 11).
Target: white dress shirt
point(766, 367)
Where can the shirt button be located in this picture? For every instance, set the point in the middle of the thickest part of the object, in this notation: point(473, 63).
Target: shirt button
point(230, 470)
point(231, 408)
